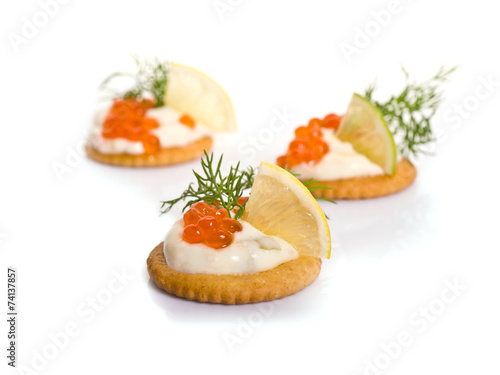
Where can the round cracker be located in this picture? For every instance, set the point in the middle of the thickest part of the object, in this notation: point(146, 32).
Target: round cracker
point(166, 156)
point(369, 187)
point(286, 279)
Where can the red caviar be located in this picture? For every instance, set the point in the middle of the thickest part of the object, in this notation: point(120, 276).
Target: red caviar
point(204, 223)
point(187, 120)
point(308, 145)
point(242, 200)
point(127, 119)
point(332, 121)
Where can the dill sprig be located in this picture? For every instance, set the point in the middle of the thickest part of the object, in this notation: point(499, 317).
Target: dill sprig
point(311, 184)
point(409, 114)
point(151, 79)
point(215, 189)
point(224, 191)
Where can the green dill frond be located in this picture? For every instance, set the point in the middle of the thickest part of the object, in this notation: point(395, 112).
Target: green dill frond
point(409, 113)
point(214, 188)
point(150, 79)
point(311, 184)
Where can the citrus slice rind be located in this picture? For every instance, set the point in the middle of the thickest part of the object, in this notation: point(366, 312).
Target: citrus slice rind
point(364, 127)
point(193, 92)
point(281, 205)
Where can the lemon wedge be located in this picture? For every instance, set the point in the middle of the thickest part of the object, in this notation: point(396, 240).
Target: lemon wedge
point(194, 93)
point(281, 205)
point(364, 127)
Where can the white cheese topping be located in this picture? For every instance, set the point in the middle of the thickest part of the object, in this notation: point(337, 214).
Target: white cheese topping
point(170, 133)
point(341, 161)
point(251, 251)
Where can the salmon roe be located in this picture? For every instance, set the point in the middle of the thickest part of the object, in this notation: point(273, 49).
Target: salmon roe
point(241, 201)
point(187, 120)
point(206, 224)
point(127, 119)
point(308, 145)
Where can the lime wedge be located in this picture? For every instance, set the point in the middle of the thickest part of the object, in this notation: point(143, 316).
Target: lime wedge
point(364, 127)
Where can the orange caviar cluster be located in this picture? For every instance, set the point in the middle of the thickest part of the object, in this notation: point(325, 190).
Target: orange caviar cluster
point(204, 223)
point(127, 119)
point(308, 145)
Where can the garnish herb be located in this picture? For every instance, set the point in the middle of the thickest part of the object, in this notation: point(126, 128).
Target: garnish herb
point(408, 114)
point(224, 192)
point(213, 188)
point(151, 79)
point(311, 185)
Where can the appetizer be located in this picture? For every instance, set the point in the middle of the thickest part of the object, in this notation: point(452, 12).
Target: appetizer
point(366, 152)
point(231, 249)
point(168, 116)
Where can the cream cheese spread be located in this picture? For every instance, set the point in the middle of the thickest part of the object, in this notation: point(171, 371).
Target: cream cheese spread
point(251, 251)
point(341, 161)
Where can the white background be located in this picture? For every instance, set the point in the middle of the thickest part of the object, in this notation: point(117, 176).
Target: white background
point(392, 256)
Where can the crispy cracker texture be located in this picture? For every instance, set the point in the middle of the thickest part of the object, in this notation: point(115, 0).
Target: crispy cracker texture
point(369, 187)
point(286, 279)
point(166, 156)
